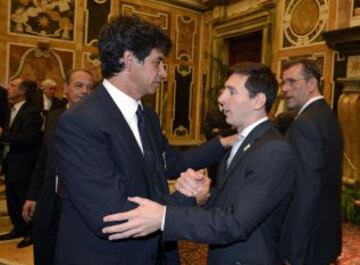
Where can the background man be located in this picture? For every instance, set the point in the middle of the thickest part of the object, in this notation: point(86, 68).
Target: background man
point(110, 147)
point(243, 217)
point(313, 228)
point(48, 100)
point(43, 201)
point(21, 137)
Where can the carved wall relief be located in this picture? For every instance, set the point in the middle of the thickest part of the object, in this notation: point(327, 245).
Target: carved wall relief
point(304, 21)
point(26, 61)
point(99, 12)
point(50, 19)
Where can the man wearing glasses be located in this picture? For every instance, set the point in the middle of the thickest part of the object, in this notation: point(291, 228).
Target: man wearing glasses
point(312, 232)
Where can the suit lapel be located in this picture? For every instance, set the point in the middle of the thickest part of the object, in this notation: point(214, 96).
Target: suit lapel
point(116, 119)
point(247, 146)
point(125, 135)
point(18, 116)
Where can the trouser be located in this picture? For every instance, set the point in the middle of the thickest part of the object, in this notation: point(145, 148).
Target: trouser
point(16, 192)
point(44, 240)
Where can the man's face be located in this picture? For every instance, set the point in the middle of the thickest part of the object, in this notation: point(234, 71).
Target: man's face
point(49, 91)
point(237, 105)
point(147, 75)
point(80, 85)
point(295, 86)
point(14, 93)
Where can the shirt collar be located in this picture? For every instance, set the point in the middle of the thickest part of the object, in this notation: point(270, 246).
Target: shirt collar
point(18, 105)
point(245, 132)
point(311, 100)
point(126, 104)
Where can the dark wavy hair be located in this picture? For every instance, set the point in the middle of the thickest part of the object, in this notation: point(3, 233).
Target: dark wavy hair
point(260, 80)
point(129, 33)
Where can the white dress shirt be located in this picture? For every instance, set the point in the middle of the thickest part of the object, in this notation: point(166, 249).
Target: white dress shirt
point(128, 106)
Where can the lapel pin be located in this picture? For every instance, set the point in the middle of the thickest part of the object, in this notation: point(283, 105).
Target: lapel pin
point(246, 147)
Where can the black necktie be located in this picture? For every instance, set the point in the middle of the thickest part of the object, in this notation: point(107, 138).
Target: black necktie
point(143, 135)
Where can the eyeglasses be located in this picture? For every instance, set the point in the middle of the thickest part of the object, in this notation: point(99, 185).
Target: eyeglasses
point(291, 81)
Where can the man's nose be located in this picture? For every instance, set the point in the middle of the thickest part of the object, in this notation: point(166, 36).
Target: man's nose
point(163, 72)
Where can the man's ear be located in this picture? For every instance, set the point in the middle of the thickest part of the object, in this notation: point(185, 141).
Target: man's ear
point(313, 84)
point(260, 100)
point(128, 59)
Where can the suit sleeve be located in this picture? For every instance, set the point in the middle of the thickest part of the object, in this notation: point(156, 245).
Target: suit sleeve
point(87, 171)
point(308, 147)
point(37, 177)
point(268, 182)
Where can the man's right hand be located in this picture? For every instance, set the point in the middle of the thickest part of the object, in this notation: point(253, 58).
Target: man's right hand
point(28, 210)
point(194, 184)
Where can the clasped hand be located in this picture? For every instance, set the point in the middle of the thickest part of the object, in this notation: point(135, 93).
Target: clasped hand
point(148, 216)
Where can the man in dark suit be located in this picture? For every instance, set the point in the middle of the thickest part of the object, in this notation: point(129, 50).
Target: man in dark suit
point(110, 147)
point(4, 112)
point(48, 100)
point(4, 108)
point(312, 234)
point(43, 202)
point(21, 138)
point(44, 98)
point(242, 219)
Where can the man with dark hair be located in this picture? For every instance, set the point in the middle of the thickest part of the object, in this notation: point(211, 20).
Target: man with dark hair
point(110, 147)
point(243, 216)
point(21, 138)
point(43, 202)
point(312, 234)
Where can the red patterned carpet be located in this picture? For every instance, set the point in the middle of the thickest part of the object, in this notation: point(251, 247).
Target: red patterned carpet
point(195, 254)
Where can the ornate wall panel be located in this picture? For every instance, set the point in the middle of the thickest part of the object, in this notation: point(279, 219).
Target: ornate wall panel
point(153, 15)
point(183, 86)
point(355, 13)
point(38, 64)
point(353, 66)
point(304, 21)
point(186, 31)
point(50, 19)
point(92, 63)
point(99, 12)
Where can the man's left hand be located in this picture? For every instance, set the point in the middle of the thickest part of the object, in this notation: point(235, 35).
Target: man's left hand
point(141, 221)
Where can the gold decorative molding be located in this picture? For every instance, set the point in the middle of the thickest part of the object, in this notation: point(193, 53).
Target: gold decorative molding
point(349, 117)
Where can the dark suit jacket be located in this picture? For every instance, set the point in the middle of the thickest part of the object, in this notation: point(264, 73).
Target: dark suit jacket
point(4, 108)
point(313, 229)
point(24, 138)
point(56, 103)
point(42, 188)
point(243, 217)
point(4, 113)
point(99, 165)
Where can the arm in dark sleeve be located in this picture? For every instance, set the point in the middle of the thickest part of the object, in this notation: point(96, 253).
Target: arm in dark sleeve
point(255, 200)
point(37, 177)
point(87, 171)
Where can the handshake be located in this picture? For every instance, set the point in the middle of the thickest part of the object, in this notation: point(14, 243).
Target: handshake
point(194, 184)
point(149, 216)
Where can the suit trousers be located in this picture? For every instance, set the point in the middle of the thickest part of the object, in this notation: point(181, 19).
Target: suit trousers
point(16, 192)
point(45, 239)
